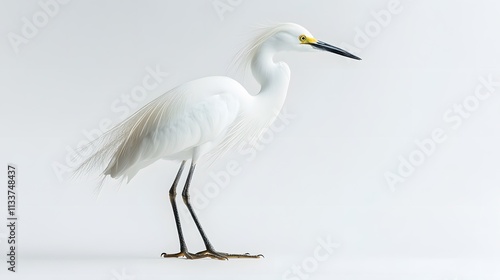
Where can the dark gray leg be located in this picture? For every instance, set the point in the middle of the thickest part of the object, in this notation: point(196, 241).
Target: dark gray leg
point(172, 193)
point(210, 251)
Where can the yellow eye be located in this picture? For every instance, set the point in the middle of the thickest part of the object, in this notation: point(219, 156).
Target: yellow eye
point(303, 38)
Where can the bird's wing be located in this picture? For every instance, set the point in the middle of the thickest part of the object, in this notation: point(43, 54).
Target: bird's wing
point(187, 116)
point(252, 121)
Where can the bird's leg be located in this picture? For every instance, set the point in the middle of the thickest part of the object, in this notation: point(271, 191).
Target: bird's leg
point(172, 193)
point(210, 251)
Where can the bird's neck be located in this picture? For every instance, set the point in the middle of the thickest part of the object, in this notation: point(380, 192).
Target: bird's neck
point(273, 78)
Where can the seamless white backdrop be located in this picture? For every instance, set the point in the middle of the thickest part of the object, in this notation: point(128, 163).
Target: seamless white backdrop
point(319, 174)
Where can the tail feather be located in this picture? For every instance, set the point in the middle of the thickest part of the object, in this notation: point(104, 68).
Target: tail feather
point(118, 151)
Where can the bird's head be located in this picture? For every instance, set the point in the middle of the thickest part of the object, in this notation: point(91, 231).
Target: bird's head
point(293, 37)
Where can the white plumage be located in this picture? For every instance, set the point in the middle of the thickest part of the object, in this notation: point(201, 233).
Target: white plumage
point(191, 118)
point(205, 116)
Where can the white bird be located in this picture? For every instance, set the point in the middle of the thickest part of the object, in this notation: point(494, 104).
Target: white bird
point(205, 117)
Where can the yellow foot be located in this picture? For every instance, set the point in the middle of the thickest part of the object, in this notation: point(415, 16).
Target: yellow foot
point(225, 256)
point(181, 255)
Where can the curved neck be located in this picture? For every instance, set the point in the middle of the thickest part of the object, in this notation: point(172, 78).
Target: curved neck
point(273, 77)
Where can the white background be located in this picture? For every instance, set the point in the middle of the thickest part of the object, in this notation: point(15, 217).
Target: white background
point(320, 177)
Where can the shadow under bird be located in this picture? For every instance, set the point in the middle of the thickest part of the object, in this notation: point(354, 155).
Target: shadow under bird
point(204, 118)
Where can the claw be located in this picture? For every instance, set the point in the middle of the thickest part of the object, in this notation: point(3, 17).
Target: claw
point(181, 255)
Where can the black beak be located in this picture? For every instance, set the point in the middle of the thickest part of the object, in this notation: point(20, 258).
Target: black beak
point(329, 48)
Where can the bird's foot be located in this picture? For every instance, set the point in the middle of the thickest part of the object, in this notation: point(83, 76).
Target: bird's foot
point(181, 255)
point(211, 253)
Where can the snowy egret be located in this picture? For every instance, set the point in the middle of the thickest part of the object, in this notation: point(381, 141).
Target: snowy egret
point(205, 117)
